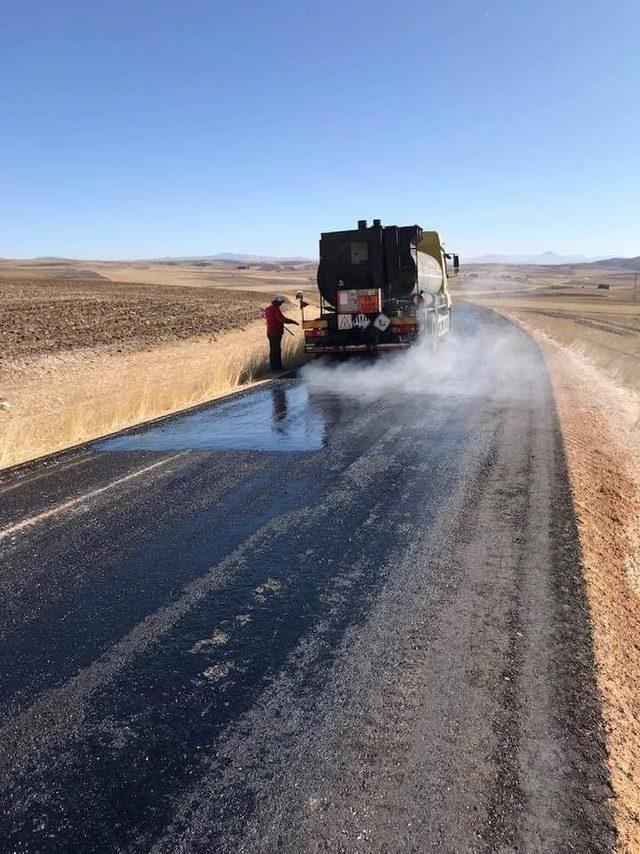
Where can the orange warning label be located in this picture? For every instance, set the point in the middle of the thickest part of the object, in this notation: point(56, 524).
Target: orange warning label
point(369, 301)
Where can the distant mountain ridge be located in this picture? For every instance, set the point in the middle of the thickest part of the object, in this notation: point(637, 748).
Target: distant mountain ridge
point(237, 257)
point(543, 259)
point(549, 259)
point(265, 259)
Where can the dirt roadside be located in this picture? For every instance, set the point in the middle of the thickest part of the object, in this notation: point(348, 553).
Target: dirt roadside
point(600, 426)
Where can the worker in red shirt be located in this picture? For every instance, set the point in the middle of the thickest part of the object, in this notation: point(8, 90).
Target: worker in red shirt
point(275, 330)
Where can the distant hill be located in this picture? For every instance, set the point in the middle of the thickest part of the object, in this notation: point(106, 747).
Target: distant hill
point(544, 259)
point(632, 264)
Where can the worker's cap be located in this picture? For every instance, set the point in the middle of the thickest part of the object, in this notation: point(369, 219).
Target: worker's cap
point(279, 298)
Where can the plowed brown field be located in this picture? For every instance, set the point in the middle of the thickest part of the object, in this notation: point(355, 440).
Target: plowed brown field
point(48, 316)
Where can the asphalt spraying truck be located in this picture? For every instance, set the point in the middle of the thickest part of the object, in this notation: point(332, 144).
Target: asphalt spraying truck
point(381, 288)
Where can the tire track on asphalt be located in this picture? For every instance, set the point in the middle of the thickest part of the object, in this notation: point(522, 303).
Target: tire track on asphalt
point(253, 763)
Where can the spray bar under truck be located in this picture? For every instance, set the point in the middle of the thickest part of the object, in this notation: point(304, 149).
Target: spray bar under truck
point(380, 289)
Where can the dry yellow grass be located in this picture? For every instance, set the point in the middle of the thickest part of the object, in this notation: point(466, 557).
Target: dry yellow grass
point(617, 353)
point(110, 392)
point(82, 358)
point(604, 326)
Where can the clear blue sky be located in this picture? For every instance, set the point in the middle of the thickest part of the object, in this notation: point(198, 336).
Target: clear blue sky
point(140, 129)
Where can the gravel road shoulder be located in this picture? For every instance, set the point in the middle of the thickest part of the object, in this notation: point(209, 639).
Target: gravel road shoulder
point(600, 429)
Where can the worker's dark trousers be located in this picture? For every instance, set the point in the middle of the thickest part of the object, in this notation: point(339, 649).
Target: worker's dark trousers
point(275, 352)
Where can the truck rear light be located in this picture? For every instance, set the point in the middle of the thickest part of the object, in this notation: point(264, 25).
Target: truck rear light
point(315, 333)
point(404, 329)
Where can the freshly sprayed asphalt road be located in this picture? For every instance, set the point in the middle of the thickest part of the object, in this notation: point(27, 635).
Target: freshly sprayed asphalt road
point(295, 621)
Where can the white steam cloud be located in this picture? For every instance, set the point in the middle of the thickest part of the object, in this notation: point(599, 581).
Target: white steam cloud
point(483, 354)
